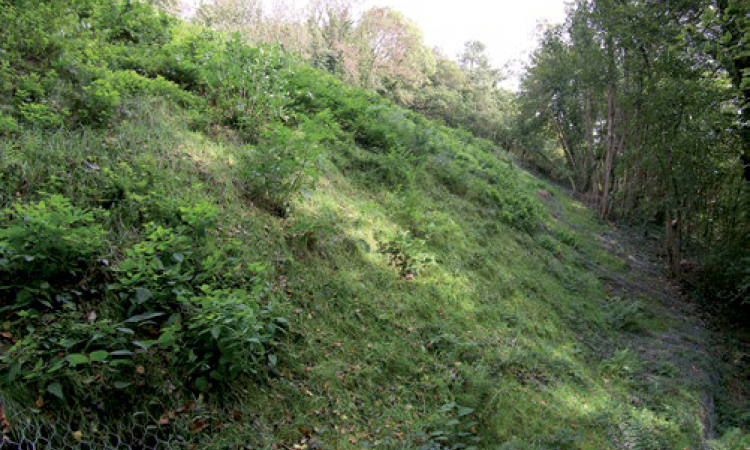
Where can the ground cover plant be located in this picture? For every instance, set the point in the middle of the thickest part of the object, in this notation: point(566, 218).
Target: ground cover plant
point(206, 244)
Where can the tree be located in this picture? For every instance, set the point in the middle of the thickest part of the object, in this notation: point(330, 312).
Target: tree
point(394, 59)
point(639, 107)
point(331, 24)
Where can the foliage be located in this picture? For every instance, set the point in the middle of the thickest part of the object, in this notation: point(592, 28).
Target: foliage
point(217, 324)
point(626, 315)
point(45, 240)
point(248, 86)
point(407, 254)
point(286, 161)
point(8, 125)
point(603, 88)
point(454, 432)
point(230, 333)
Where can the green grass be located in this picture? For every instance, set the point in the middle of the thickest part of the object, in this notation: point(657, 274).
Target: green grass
point(509, 329)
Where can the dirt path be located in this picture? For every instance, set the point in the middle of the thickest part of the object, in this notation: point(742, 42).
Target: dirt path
point(683, 350)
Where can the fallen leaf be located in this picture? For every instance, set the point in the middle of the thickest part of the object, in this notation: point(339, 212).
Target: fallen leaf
point(39, 402)
point(140, 370)
point(198, 426)
point(77, 435)
point(4, 420)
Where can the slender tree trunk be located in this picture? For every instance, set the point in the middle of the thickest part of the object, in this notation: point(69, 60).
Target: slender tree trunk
point(566, 149)
point(588, 158)
point(610, 150)
point(672, 241)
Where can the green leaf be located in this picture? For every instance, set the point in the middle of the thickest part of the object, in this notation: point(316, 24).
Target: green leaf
point(142, 295)
point(144, 317)
point(462, 411)
point(99, 356)
point(447, 407)
point(144, 344)
point(201, 384)
point(121, 384)
point(56, 390)
point(14, 371)
point(77, 358)
point(272, 360)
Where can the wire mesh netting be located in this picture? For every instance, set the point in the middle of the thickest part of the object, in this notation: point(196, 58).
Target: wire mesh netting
point(26, 433)
point(29, 429)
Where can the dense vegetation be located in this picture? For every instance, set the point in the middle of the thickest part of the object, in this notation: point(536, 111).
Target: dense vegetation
point(209, 244)
point(651, 120)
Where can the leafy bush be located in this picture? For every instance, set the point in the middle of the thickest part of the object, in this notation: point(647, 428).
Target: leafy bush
point(626, 315)
point(134, 22)
point(515, 208)
point(47, 239)
point(454, 430)
point(568, 238)
point(158, 271)
point(100, 101)
point(622, 362)
point(41, 115)
point(248, 86)
point(549, 243)
point(35, 31)
point(8, 125)
point(71, 356)
point(733, 439)
point(407, 254)
point(286, 161)
point(230, 332)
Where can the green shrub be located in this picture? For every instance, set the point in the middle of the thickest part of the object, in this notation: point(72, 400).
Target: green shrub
point(35, 33)
point(626, 315)
point(453, 429)
point(41, 115)
point(285, 162)
point(733, 439)
point(407, 254)
point(49, 239)
point(514, 208)
point(8, 125)
point(231, 332)
point(248, 86)
point(99, 102)
point(134, 22)
point(71, 357)
point(568, 238)
point(549, 243)
point(157, 273)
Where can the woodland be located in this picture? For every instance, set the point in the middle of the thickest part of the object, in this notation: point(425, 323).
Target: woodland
point(244, 225)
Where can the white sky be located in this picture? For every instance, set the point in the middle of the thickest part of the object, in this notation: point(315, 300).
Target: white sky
point(506, 27)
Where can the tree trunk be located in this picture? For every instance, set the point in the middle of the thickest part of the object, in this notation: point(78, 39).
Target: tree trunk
point(672, 242)
point(610, 151)
point(588, 158)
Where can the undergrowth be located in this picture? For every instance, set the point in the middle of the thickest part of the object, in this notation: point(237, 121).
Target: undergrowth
point(248, 252)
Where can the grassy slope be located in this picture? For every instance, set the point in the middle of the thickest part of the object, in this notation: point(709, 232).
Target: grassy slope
point(508, 341)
